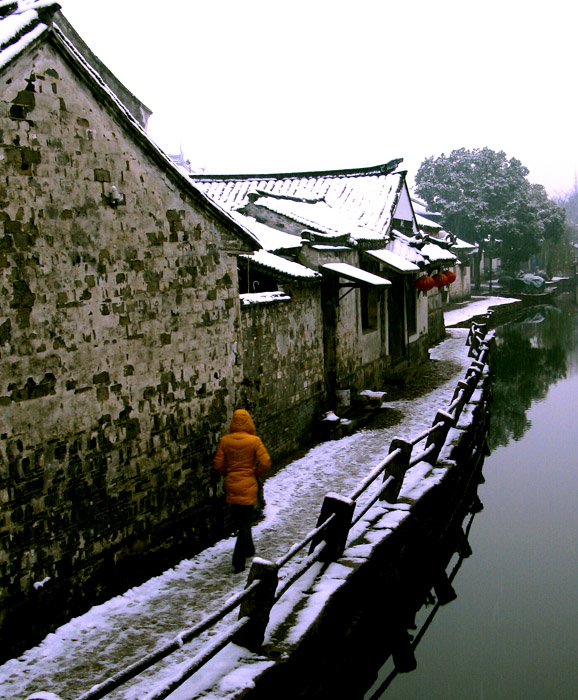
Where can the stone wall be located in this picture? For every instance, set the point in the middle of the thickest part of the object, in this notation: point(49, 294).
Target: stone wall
point(437, 300)
point(118, 330)
point(282, 345)
point(462, 287)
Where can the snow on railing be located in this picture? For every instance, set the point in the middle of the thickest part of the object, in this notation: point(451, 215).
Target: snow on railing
point(326, 542)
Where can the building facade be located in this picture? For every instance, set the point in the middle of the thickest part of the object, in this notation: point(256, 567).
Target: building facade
point(120, 328)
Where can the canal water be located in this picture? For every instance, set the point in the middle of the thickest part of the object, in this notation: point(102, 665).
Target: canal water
point(512, 630)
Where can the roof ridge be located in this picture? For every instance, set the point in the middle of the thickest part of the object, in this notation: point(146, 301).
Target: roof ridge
point(382, 169)
point(258, 193)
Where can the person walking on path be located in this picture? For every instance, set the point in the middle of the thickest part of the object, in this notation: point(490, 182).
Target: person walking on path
point(241, 456)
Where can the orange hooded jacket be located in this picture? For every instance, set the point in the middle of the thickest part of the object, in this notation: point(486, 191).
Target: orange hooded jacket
point(237, 456)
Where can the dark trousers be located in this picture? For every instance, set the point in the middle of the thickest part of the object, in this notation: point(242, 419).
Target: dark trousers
point(242, 517)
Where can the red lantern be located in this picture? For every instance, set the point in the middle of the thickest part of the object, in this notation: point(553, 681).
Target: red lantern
point(450, 275)
point(440, 279)
point(424, 283)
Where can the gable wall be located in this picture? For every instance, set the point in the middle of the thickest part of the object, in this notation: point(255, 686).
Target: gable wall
point(403, 209)
point(117, 363)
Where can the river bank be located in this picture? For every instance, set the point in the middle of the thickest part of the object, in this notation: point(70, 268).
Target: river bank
point(512, 631)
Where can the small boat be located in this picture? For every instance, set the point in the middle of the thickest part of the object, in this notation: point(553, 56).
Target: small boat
point(532, 298)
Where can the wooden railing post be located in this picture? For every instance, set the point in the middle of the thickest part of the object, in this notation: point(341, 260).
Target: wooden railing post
point(336, 533)
point(396, 468)
point(475, 337)
point(438, 437)
point(462, 393)
point(257, 606)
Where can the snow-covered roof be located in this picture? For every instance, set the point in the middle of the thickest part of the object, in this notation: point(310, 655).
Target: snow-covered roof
point(420, 250)
point(355, 274)
point(393, 260)
point(315, 214)
point(460, 244)
point(270, 238)
point(368, 196)
point(423, 222)
point(21, 23)
point(327, 246)
point(253, 298)
point(400, 246)
point(24, 22)
point(421, 208)
point(435, 253)
point(457, 244)
point(279, 265)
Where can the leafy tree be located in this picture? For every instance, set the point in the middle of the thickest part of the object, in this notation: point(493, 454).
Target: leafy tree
point(486, 198)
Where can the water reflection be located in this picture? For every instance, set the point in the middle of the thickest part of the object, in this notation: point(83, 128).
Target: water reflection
point(423, 588)
point(532, 354)
point(429, 594)
point(512, 631)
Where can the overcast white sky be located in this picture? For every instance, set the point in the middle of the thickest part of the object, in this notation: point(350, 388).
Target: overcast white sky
point(273, 86)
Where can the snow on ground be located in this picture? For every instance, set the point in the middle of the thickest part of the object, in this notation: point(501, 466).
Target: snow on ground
point(93, 646)
point(476, 306)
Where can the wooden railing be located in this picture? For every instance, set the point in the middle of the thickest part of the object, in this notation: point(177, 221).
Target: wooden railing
point(326, 543)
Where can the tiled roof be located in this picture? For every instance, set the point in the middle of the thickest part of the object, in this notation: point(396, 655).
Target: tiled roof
point(424, 222)
point(355, 274)
point(450, 240)
point(419, 250)
point(269, 262)
point(366, 195)
point(270, 239)
point(437, 254)
point(21, 23)
point(316, 214)
point(400, 246)
point(420, 207)
point(394, 261)
point(253, 298)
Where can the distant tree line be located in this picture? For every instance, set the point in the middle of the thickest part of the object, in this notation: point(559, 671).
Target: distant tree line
point(486, 198)
point(569, 202)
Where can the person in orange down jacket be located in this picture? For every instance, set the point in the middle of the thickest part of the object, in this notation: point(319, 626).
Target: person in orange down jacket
point(242, 458)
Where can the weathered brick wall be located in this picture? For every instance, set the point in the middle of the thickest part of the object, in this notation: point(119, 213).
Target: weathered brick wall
point(118, 330)
point(283, 368)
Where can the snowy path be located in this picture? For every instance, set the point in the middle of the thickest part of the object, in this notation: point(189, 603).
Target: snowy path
point(92, 647)
point(475, 306)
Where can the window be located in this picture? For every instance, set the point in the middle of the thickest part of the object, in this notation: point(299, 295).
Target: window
point(370, 299)
point(369, 306)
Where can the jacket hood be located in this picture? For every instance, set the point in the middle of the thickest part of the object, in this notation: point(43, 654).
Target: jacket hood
point(242, 422)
